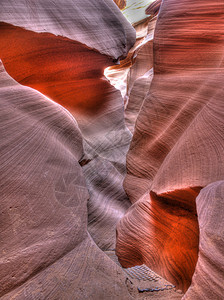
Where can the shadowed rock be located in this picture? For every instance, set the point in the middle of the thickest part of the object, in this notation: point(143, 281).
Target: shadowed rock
point(153, 8)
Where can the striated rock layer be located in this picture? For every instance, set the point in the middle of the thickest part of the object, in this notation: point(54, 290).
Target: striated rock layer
point(46, 251)
point(134, 74)
point(46, 57)
point(83, 21)
point(207, 282)
point(153, 8)
point(61, 178)
point(177, 147)
point(58, 173)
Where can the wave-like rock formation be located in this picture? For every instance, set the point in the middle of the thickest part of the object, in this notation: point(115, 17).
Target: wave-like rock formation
point(62, 172)
point(207, 282)
point(47, 53)
point(56, 171)
point(177, 147)
point(76, 21)
point(46, 251)
point(134, 74)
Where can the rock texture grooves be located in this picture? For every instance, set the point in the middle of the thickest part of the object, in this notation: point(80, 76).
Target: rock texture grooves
point(207, 282)
point(72, 20)
point(178, 139)
point(56, 171)
point(61, 187)
point(71, 73)
point(153, 8)
point(46, 251)
point(134, 74)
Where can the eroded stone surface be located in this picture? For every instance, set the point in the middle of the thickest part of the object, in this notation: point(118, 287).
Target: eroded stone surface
point(209, 273)
point(83, 21)
point(177, 142)
point(46, 250)
point(71, 74)
point(61, 169)
point(55, 170)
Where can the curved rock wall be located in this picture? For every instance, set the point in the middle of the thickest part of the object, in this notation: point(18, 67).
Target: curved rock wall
point(76, 21)
point(57, 170)
point(62, 173)
point(177, 145)
point(46, 252)
point(71, 73)
point(209, 273)
point(134, 74)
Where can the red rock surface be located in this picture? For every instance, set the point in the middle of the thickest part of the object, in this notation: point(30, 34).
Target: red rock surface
point(207, 282)
point(64, 81)
point(178, 139)
point(62, 173)
point(134, 74)
point(153, 8)
point(162, 232)
point(71, 73)
point(120, 3)
point(47, 250)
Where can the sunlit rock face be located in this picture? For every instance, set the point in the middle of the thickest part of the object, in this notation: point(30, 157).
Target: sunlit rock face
point(140, 73)
point(58, 172)
point(134, 74)
point(135, 11)
point(177, 147)
point(120, 3)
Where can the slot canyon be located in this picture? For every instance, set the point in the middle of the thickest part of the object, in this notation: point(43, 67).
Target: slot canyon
point(112, 149)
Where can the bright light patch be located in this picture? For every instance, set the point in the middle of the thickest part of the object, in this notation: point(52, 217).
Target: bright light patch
point(135, 10)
